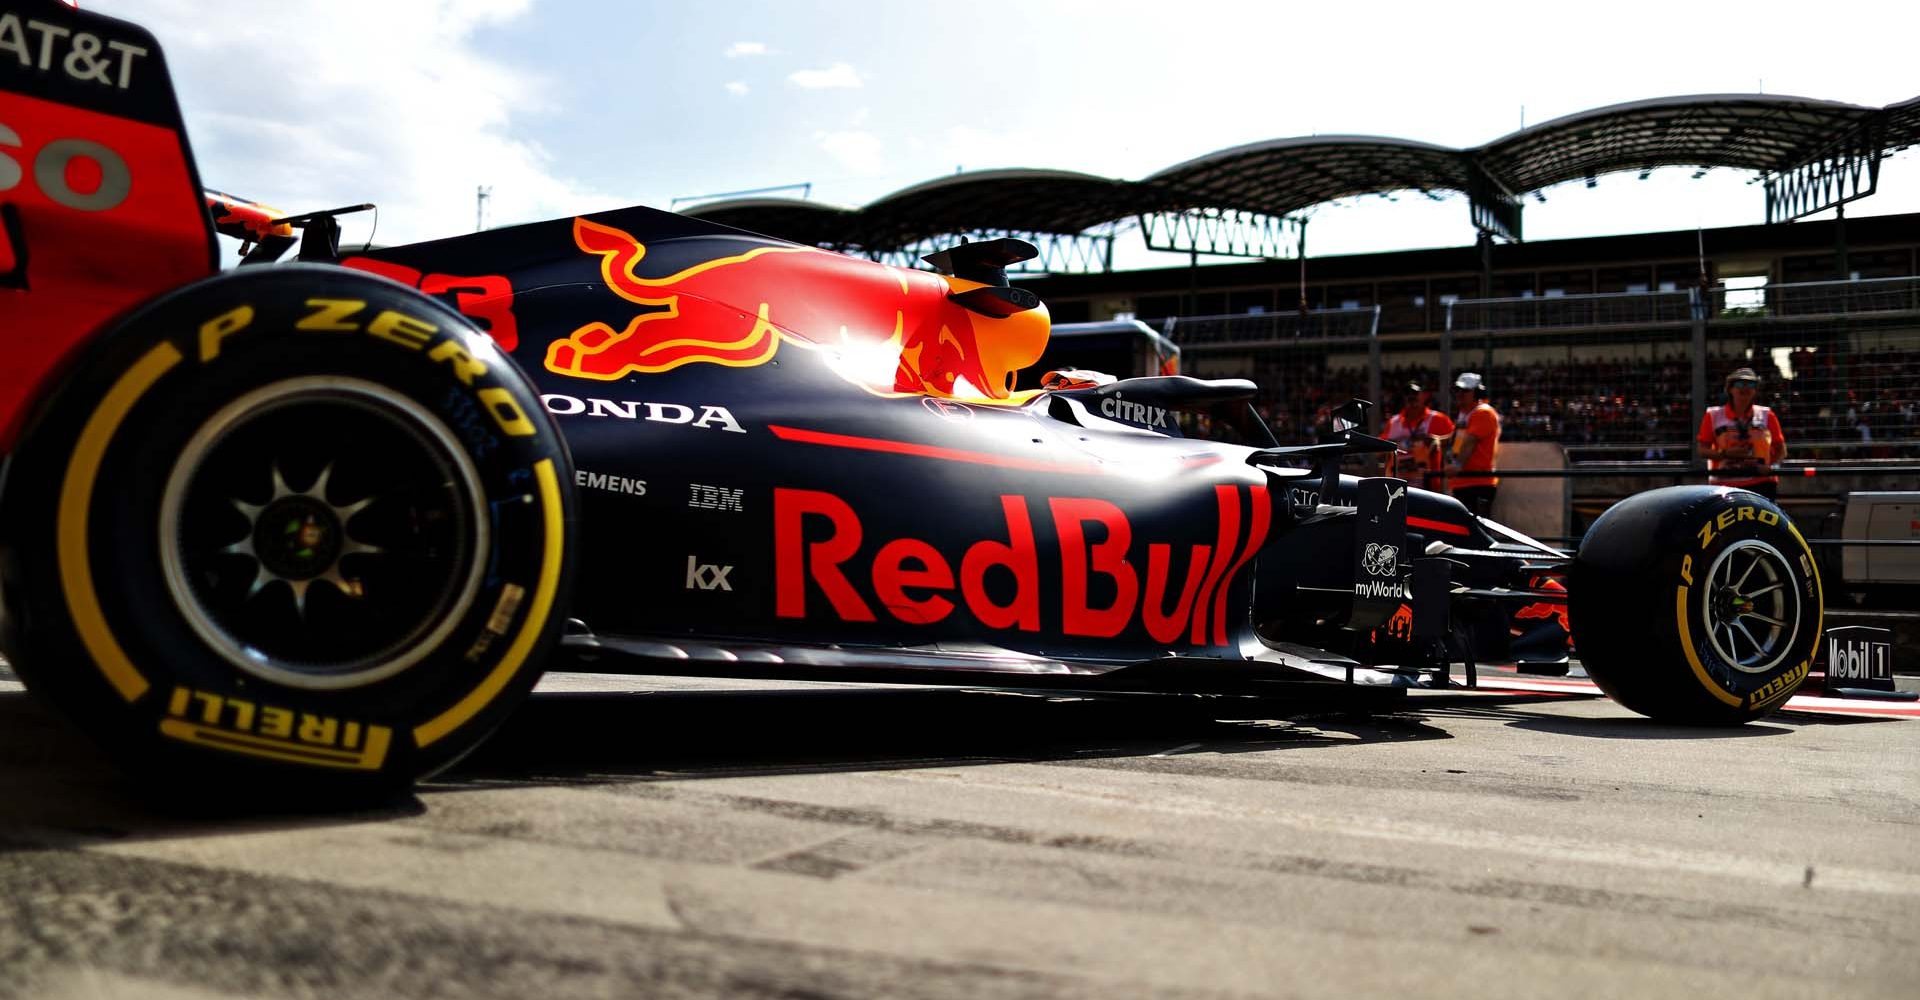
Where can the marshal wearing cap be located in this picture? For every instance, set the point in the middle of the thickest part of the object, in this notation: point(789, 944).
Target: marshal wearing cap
point(1742, 440)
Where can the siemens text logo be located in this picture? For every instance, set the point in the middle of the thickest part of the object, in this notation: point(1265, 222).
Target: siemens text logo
point(612, 484)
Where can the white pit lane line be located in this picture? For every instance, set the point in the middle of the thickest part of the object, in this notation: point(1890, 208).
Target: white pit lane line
point(1498, 680)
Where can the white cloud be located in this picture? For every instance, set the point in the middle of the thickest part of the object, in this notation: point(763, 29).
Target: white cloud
point(738, 49)
point(860, 152)
point(411, 117)
point(737, 88)
point(837, 75)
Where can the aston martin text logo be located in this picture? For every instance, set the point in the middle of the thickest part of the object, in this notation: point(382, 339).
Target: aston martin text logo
point(660, 413)
point(1136, 413)
point(1176, 592)
point(707, 576)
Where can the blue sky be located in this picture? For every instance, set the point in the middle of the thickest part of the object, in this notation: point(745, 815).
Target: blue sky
point(565, 106)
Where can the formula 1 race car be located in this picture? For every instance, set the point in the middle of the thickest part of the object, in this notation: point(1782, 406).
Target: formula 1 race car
point(323, 522)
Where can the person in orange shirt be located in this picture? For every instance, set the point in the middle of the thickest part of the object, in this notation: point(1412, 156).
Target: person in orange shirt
point(1419, 430)
point(1476, 445)
point(1742, 441)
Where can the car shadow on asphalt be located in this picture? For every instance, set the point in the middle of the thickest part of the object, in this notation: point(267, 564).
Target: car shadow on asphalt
point(60, 790)
point(1634, 727)
point(573, 736)
point(57, 789)
point(1637, 728)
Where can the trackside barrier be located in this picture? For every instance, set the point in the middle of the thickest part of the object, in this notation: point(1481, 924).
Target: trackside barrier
point(1677, 473)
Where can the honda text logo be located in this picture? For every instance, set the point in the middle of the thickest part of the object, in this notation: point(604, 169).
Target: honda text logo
point(659, 413)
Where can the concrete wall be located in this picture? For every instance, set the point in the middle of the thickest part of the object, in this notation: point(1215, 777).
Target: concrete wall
point(1537, 506)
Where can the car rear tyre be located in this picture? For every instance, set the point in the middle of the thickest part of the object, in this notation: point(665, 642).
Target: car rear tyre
point(1697, 604)
point(296, 528)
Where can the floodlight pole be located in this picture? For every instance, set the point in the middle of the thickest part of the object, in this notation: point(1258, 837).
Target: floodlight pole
point(1702, 296)
point(1485, 243)
point(1842, 271)
point(1193, 280)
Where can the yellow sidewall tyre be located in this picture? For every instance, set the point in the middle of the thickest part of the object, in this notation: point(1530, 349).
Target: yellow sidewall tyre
point(1696, 604)
point(296, 528)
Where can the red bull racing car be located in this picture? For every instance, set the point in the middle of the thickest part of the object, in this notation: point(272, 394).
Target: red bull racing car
point(323, 522)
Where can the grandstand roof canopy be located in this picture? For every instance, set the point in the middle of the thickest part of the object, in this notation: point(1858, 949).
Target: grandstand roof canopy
point(1278, 177)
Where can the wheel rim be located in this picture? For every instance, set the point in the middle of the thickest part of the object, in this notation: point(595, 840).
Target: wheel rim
point(323, 532)
point(1750, 605)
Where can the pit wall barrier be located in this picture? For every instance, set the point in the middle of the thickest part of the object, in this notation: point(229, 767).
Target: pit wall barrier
point(1540, 507)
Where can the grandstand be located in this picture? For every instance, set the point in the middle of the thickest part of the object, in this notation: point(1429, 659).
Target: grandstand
point(1609, 347)
point(1590, 343)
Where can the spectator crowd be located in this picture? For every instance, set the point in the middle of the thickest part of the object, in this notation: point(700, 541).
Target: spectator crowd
point(1870, 399)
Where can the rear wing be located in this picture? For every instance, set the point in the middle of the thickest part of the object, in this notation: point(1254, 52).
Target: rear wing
point(99, 198)
point(247, 221)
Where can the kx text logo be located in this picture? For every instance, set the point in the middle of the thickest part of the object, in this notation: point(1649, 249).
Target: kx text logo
point(707, 576)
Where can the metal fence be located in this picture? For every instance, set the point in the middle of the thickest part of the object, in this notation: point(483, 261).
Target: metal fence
point(1304, 362)
point(1611, 377)
point(1839, 360)
point(1564, 312)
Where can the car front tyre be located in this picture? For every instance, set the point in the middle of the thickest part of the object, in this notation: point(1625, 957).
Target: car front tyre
point(288, 529)
point(1696, 604)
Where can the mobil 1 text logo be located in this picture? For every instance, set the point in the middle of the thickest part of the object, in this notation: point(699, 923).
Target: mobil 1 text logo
point(1860, 656)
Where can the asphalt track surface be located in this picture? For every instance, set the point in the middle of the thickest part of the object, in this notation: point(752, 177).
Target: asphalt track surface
point(660, 838)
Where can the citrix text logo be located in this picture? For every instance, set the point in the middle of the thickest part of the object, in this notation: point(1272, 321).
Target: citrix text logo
point(707, 576)
point(660, 413)
point(817, 536)
point(1140, 413)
